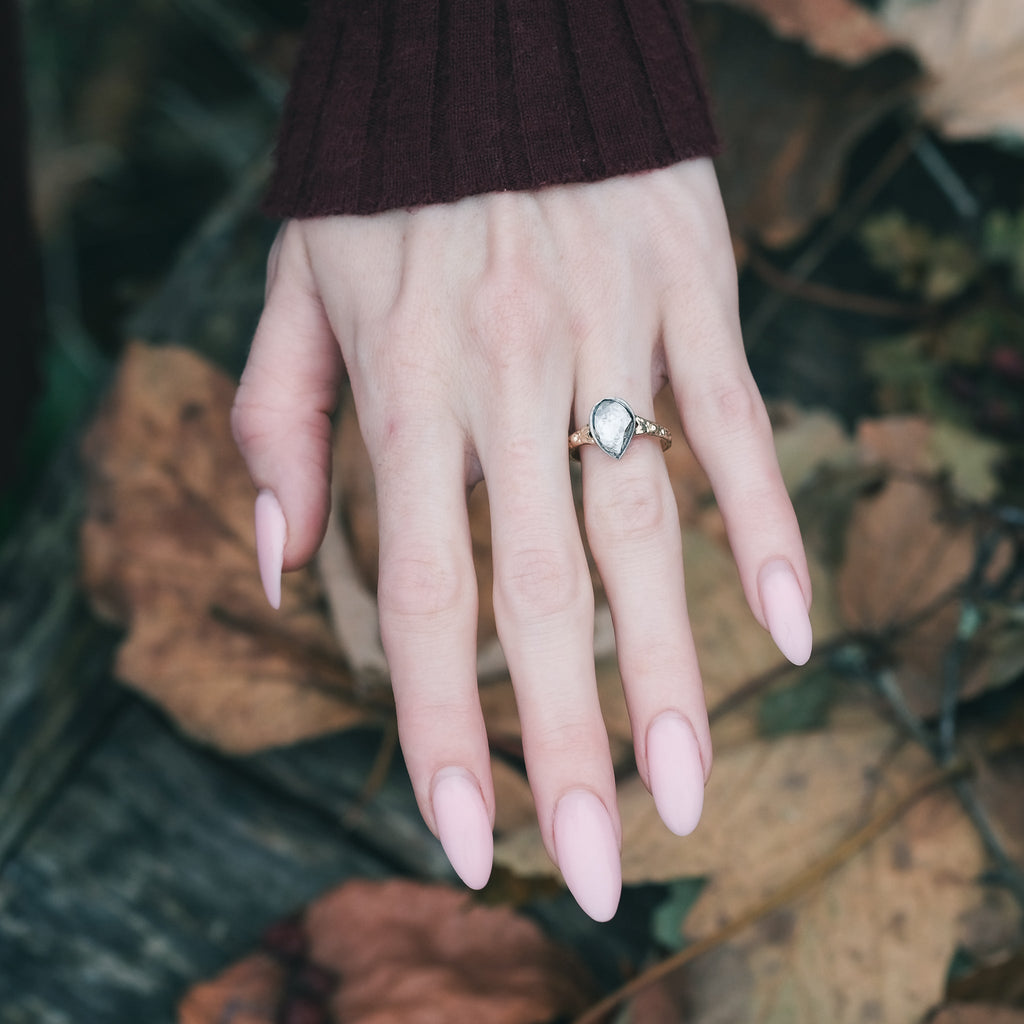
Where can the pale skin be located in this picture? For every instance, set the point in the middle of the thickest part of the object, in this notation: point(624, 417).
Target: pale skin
point(476, 335)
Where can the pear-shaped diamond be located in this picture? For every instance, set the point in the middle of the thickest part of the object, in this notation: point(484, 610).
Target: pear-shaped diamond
point(611, 425)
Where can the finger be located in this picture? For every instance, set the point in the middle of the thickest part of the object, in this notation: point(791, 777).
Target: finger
point(281, 416)
point(544, 608)
point(727, 425)
point(633, 528)
point(428, 608)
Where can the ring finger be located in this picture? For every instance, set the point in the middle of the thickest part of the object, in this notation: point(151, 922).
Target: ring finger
point(633, 528)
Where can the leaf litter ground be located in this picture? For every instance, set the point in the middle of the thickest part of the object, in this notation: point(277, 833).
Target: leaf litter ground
point(908, 487)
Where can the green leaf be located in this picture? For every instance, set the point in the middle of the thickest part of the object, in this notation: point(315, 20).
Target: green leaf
point(667, 919)
point(801, 706)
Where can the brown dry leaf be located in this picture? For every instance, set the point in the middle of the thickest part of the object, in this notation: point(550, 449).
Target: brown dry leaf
point(168, 552)
point(513, 798)
point(732, 647)
point(873, 940)
point(901, 559)
point(797, 794)
point(839, 29)
point(1000, 982)
point(246, 993)
point(904, 552)
point(977, 1013)
point(788, 118)
point(974, 51)
point(916, 445)
point(407, 953)
point(807, 441)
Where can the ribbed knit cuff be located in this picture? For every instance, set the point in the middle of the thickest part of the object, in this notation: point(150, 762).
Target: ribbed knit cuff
point(398, 103)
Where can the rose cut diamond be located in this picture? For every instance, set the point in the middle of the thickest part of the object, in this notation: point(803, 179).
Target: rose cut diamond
point(611, 425)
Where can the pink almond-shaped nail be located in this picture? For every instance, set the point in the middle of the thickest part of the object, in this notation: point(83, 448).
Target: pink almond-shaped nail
point(463, 825)
point(785, 610)
point(270, 536)
point(588, 853)
point(676, 772)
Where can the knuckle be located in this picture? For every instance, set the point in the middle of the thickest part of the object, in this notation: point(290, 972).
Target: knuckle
point(641, 508)
point(420, 587)
point(534, 583)
point(510, 305)
point(733, 408)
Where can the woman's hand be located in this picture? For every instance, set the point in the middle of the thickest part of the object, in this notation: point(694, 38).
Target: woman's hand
point(476, 335)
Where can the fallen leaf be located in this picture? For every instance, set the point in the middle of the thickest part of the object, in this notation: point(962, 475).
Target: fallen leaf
point(807, 441)
point(904, 561)
point(1001, 982)
point(839, 29)
point(906, 555)
point(786, 141)
point(168, 552)
point(662, 1003)
point(796, 793)
point(916, 445)
point(871, 941)
point(513, 798)
point(246, 993)
point(999, 787)
point(733, 649)
point(404, 953)
point(974, 52)
point(977, 1013)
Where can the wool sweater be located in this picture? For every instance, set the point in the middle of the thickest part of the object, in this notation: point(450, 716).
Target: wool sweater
point(398, 103)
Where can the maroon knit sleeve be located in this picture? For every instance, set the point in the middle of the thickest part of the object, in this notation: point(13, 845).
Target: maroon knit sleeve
point(397, 103)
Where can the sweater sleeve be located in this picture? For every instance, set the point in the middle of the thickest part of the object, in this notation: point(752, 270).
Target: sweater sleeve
point(398, 103)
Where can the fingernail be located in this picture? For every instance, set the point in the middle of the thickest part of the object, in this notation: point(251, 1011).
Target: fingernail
point(270, 534)
point(463, 825)
point(785, 611)
point(588, 853)
point(676, 772)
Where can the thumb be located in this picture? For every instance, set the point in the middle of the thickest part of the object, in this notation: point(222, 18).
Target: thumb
point(281, 417)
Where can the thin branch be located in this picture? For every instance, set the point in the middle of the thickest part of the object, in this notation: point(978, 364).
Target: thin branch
point(834, 298)
point(835, 231)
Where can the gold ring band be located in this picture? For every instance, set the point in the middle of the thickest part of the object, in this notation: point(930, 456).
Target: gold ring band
point(612, 427)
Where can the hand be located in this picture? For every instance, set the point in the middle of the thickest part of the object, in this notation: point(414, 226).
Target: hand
point(476, 335)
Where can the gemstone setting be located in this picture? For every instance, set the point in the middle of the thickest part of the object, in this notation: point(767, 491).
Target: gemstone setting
point(612, 425)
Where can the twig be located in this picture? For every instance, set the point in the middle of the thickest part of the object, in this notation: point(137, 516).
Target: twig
point(834, 298)
point(835, 231)
point(1008, 872)
point(798, 886)
point(940, 743)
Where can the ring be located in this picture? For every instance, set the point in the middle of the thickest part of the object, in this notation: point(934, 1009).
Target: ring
point(613, 424)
